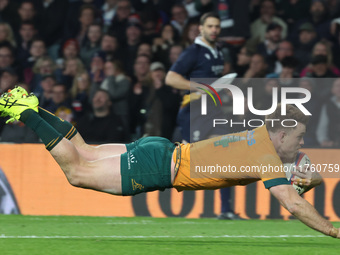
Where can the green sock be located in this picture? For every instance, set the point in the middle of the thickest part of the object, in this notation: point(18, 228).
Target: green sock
point(45, 131)
point(62, 126)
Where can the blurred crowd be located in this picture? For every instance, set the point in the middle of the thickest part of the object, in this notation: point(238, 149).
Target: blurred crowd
point(101, 64)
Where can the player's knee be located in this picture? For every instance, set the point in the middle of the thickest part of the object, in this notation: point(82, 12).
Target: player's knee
point(74, 181)
point(74, 178)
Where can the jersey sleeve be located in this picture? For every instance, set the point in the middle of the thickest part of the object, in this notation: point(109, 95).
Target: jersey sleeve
point(268, 183)
point(272, 172)
point(185, 62)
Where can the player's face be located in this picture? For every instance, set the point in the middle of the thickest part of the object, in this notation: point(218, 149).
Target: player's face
point(210, 30)
point(291, 143)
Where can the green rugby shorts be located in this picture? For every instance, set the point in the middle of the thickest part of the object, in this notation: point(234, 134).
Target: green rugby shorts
point(146, 165)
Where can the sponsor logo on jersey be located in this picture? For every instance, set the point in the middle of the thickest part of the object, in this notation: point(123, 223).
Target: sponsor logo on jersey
point(136, 185)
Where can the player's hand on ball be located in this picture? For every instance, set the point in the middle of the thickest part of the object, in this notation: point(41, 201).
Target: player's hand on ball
point(303, 176)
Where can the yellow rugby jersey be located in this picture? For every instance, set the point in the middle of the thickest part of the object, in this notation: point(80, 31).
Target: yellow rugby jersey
point(229, 160)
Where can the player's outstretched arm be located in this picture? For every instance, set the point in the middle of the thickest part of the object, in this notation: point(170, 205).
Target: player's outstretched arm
point(303, 210)
point(177, 81)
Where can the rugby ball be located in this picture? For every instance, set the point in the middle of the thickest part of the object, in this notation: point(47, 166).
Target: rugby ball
point(301, 160)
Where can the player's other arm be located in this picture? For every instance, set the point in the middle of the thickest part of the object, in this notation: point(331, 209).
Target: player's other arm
point(177, 81)
point(301, 209)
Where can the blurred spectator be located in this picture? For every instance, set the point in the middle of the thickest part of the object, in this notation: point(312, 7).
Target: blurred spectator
point(101, 125)
point(51, 17)
point(162, 44)
point(8, 11)
point(267, 16)
point(27, 32)
point(92, 44)
point(133, 34)
point(141, 67)
point(243, 60)
point(322, 48)
point(110, 45)
point(6, 55)
point(235, 26)
point(190, 32)
point(287, 75)
point(139, 94)
point(97, 67)
point(37, 50)
point(78, 28)
point(80, 94)
point(72, 67)
point(162, 104)
point(151, 23)
point(65, 113)
point(293, 10)
point(174, 52)
point(333, 8)
point(285, 49)
point(268, 47)
point(8, 79)
point(179, 17)
point(120, 21)
point(118, 87)
point(145, 49)
point(108, 13)
point(70, 49)
point(257, 68)
point(328, 131)
point(318, 16)
point(47, 83)
point(6, 34)
point(305, 44)
point(26, 13)
point(320, 68)
point(43, 66)
point(59, 98)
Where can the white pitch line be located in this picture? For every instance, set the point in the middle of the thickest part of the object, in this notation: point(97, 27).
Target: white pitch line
point(145, 237)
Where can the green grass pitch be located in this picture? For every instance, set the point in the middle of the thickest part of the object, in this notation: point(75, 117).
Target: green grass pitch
point(30, 235)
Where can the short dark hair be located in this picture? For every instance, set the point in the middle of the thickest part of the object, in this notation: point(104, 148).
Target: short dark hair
point(111, 34)
point(207, 15)
point(7, 45)
point(27, 2)
point(290, 62)
point(319, 59)
point(87, 6)
point(292, 112)
point(27, 22)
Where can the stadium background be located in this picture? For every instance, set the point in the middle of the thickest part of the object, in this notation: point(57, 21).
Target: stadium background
point(142, 53)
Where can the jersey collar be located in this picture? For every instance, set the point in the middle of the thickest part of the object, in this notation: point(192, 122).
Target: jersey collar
point(213, 51)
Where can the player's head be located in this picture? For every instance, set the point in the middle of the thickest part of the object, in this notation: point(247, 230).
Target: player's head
point(210, 27)
point(286, 135)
